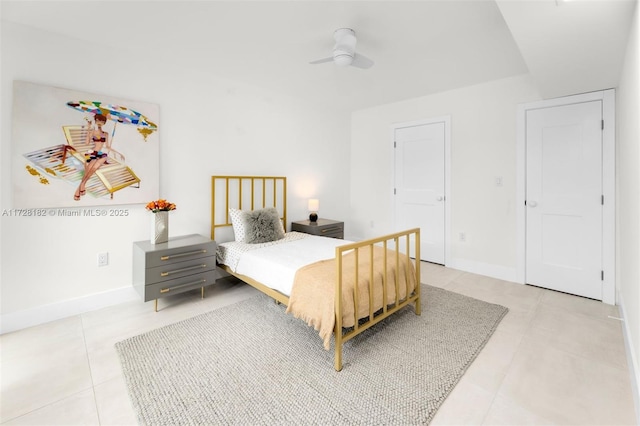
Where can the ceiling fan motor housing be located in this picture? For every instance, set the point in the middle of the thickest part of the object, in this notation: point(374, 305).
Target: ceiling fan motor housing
point(345, 47)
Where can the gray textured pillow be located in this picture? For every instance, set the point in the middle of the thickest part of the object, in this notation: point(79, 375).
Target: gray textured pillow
point(262, 226)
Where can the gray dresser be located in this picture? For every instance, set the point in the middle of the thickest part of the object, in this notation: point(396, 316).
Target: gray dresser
point(181, 264)
point(322, 227)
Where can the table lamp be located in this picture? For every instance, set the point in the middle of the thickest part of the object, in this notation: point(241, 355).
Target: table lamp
point(313, 205)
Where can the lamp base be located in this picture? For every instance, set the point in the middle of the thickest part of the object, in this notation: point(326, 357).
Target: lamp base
point(313, 217)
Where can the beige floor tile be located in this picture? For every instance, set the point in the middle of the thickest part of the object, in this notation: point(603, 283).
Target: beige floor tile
point(78, 409)
point(596, 338)
point(468, 404)
point(115, 313)
point(565, 388)
point(502, 287)
point(169, 311)
point(140, 311)
point(114, 405)
point(578, 305)
point(514, 303)
point(57, 370)
point(491, 365)
point(32, 340)
point(104, 362)
point(468, 288)
point(516, 322)
point(504, 412)
point(510, 295)
point(437, 275)
point(474, 280)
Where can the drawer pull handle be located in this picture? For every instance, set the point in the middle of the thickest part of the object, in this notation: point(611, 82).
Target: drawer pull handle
point(168, 289)
point(190, 268)
point(335, 228)
point(188, 253)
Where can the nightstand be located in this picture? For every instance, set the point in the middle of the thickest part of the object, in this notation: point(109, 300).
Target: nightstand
point(181, 264)
point(323, 227)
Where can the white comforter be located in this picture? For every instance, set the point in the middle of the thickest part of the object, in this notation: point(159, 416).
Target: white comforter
point(274, 264)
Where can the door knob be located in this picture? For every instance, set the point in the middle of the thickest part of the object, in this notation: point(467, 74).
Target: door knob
point(532, 203)
point(440, 198)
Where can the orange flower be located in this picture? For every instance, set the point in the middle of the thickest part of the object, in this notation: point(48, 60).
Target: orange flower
point(160, 205)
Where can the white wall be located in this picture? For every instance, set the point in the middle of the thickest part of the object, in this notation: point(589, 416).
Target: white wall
point(628, 184)
point(483, 147)
point(208, 125)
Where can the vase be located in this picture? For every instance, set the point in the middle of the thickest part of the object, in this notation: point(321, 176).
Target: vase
point(160, 227)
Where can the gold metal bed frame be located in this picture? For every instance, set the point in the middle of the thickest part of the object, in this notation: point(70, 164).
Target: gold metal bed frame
point(253, 192)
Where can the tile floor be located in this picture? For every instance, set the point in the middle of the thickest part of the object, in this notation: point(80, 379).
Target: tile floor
point(554, 359)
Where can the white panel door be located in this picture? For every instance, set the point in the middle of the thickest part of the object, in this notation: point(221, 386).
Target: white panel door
point(420, 186)
point(564, 198)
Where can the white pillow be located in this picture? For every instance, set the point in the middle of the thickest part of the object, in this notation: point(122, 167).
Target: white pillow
point(238, 224)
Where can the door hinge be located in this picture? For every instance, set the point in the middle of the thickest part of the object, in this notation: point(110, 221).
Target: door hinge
point(602, 200)
point(394, 191)
point(602, 124)
point(601, 275)
point(395, 144)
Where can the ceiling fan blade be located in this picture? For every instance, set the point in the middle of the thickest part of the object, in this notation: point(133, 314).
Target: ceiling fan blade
point(322, 61)
point(361, 61)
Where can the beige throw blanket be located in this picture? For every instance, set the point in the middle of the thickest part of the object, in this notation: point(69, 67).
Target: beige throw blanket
point(312, 296)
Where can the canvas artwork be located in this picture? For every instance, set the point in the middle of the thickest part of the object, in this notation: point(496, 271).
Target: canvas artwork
point(77, 149)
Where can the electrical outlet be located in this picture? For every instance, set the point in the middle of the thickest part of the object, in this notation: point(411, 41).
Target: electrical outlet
point(103, 259)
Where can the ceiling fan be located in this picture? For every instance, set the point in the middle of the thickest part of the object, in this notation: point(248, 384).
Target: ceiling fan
point(344, 51)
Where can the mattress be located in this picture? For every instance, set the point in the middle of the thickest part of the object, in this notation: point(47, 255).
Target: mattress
point(275, 263)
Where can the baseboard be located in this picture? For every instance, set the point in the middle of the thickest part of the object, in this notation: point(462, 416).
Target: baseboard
point(494, 271)
point(42, 314)
point(632, 360)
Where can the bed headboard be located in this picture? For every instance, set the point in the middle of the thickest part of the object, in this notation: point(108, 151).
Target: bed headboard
point(246, 193)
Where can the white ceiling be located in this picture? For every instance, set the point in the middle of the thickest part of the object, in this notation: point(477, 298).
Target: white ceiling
point(420, 47)
point(572, 46)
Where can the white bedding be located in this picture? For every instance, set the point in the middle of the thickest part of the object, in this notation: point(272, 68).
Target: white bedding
point(274, 264)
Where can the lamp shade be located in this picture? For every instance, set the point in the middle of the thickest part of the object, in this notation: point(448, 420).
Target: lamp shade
point(314, 205)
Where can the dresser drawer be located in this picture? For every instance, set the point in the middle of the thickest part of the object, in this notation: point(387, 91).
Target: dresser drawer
point(179, 285)
point(179, 254)
point(336, 231)
point(179, 269)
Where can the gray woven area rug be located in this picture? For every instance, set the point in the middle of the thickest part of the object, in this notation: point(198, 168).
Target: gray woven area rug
point(252, 364)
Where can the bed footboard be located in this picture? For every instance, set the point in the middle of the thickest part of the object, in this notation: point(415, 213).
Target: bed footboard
point(388, 267)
